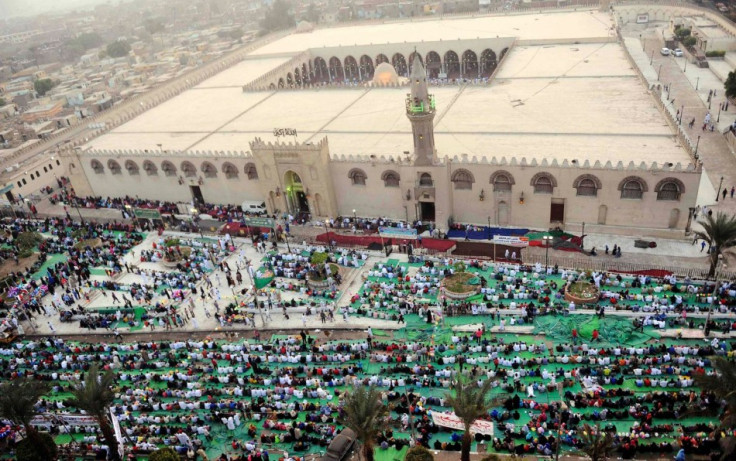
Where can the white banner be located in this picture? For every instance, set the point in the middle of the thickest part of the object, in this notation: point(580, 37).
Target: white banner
point(65, 419)
point(118, 434)
point(453, 422)
point(512, 240)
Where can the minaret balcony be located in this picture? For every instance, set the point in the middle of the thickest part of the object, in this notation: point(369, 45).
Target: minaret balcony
point(418, 106)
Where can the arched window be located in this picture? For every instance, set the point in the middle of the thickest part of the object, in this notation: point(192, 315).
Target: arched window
point(132, 167)
point(390, 178)
point(250, 171)
point(188, 169)
point(97, 166)
point(209, 170)
point(168, 168)
point(543, 183)
point(632, 187)
point(357, 177)
point(231, 172)
point(463, 179)
point(425, 179)
point(114, 167)
point(587, 185)
point(502, 181)
point(669, 189)
point(150, 168)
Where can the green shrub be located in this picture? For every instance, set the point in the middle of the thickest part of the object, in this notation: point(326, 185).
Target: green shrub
point(418, 453)
point(715, 54)
point(319, 258)
point(460, 266)
point(26, 240)
point(171, 242)
point(682, 32)
point(27, 253)
point(164, 454)
point(27, 450)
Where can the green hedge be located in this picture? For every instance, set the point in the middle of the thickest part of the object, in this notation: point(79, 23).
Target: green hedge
point(715, 54)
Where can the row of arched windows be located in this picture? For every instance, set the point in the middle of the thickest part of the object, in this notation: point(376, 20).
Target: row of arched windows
point(631, 187)
point(188, 169)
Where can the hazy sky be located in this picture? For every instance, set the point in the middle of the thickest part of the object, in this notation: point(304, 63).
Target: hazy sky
point(31, 7)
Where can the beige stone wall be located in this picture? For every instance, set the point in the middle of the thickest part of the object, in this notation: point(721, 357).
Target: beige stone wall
point(331, 192)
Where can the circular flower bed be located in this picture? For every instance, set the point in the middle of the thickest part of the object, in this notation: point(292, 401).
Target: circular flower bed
point(172, 258)
point(320, 282)
point(92, 243)
point(459, 286)
point(582, 293)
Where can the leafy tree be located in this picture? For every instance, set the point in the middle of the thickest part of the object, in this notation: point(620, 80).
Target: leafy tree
point(682, 32)
point(83, 42)
point(597, 445)
point(689, 41)
point(18, 400)
point(94, 396)
point(419, 453)
point(277, 17)
point(723, 384)
point(154, 26)
point(365, 413)
point(469, 401)
point(118, 49)
point(42, 449)
point(720, 233)
point(730, 84)
point(28, 240)
point(164, 454)
point(43, 86)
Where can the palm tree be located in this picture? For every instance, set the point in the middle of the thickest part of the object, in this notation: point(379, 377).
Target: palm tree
point(364, 412)
point(94, 396)
point(18, 399)
point(470, 401)
point(720, 234)
point(596, 444)
point(723, 384)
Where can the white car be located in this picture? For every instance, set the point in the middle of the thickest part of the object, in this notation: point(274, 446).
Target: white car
point(677, 52)
point(665, 51)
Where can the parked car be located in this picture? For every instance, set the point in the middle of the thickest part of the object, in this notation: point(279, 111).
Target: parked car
point(665, 51)
point(677, 52)
point(340, 445)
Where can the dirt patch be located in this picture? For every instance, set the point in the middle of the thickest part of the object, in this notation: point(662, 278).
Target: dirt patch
point(458, 282)
point(9, 265)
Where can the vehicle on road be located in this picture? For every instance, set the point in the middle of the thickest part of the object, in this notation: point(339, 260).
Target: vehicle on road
point(677, 52)
point(665, 51)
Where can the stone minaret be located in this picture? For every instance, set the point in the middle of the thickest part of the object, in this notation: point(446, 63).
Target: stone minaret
point(420, 109)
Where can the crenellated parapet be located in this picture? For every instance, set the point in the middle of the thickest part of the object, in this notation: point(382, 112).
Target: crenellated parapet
point(653, 167)
point(166, 153)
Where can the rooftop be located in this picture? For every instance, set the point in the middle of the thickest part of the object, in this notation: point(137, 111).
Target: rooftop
point(580, 101)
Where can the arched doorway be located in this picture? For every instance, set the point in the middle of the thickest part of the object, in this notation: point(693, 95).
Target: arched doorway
point(381, 58)
point(452, 64)
point(351, 68)
point(470, 64)
point(297, 76)
point(366, 67)
point(674, 218)
point(296, 199)
point(488, 62)
point(320, 70)
point(399, 63)
point(434, 64)
point(336, 70)
point(602, 214)
point(503, 214)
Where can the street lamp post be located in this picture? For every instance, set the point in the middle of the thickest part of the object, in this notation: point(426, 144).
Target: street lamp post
point(682, 113)
point(697, 144)
point(720, 264)
point(582, 238)
point(697, 82)
point(547, 239)
point(489, 231)
point(720, 184)
point(327, 232)
point(659, 71)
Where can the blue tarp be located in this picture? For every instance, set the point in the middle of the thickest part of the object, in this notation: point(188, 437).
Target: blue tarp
point(481, 233)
